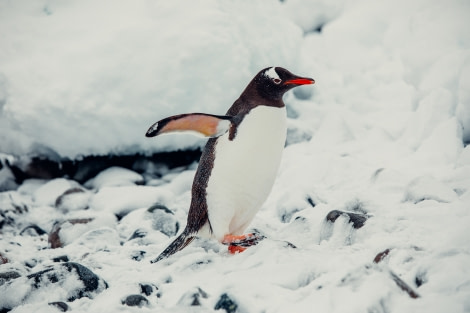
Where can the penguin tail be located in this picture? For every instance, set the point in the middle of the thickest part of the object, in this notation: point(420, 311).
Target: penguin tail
point(184, 239)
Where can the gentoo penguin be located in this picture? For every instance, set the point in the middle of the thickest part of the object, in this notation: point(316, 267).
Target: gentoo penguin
point(239, 163)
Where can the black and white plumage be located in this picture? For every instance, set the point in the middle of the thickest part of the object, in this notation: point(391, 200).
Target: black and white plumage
point(240, 161)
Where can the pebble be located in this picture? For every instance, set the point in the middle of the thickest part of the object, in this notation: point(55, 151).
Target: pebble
point(227, 304)
point(146, 289)
point(135, 300)
point(358, 220)
point(33, 230)
point(62, 306)
point(54, 236)
point(56, 274)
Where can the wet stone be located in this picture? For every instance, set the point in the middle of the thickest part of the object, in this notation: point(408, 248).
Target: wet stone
point(54, 237)
point(62, 306)
point(138, 233)
point(200, 294)
point(61, 258)
point(311, 202)
point(158, 206)
point(227, 304)
point(56, 274)
point(138, 255)
point(33, 230)
point(420, 279)
point(358, 220)
point(7, 276)
point(287, 215)
point(193, 297)
point(31, 263)
point(163, 220)
point(382, 255)
point(146, 289)
point(135, 300)
point(60, 199)
point(73, 199)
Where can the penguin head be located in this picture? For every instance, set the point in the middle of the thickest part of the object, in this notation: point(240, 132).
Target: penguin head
point(272, 82)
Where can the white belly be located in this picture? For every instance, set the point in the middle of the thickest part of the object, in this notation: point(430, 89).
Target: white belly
point(244, 170)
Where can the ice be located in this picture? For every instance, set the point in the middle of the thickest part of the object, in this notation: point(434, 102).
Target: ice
point(384, 132)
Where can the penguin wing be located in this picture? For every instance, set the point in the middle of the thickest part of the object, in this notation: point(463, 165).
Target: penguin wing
point(207, 125)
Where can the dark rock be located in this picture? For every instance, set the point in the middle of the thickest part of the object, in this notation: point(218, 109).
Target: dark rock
point(226, 304)
point(73, 199)
point(89, 166)
point(135, 300)
point(200, 294)
point(33, 230)
point(138, 233)
point(138, 255)
point(358, 220)
point(158, 206)
point(311, 202)
point(69, 192)
point(37, 167)
point(146, 289)
point(7, 276)
point(420, 279)
point(286, 216)
point(193, 297)
point(62, 306)
point(288, 244)
point(62, 258)
point(163, 219)
point(48, 164)
point(54, 238)
point(5, 310)
point(382, 255)
point(57, 274)
point(333, 215)
point(31, 263)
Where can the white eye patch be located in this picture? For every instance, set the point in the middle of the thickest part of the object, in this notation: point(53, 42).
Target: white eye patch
point(271, 73)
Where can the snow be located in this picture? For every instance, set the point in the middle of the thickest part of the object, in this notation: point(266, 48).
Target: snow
point(98, 85)
point(382, 133)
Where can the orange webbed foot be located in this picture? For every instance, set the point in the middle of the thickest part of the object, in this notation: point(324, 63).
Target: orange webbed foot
point(239, 243)
point(235, 249)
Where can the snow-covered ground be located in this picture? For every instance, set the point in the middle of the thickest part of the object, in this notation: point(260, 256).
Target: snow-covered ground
point(381, 134)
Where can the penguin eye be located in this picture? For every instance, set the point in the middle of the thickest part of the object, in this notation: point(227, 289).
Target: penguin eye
point(277, 81)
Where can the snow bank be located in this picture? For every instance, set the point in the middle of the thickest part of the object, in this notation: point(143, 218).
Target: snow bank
point(89, 78)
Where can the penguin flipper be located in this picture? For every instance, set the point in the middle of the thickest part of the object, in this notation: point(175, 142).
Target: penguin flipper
point(178, 244)
point(207, 125)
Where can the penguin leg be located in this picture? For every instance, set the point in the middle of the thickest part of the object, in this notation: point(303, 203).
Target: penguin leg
point(184, 239)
